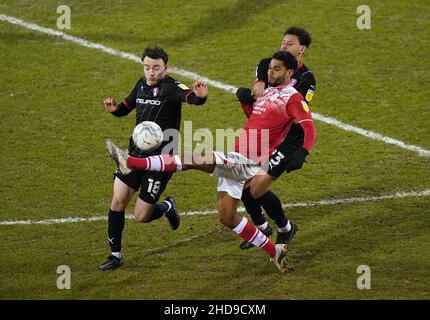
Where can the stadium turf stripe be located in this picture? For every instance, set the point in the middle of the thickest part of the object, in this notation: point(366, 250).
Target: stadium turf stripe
point(328, 202)
point(191, 75)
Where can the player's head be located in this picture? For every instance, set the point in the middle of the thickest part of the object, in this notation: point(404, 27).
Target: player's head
point(281, 68)
point(154, 64)
point(296, 40)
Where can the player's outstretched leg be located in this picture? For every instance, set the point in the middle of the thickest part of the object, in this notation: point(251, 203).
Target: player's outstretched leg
point(118, 155)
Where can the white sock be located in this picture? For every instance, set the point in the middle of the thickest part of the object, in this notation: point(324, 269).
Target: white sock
point(117, 254)
point(286, 228)
point(263, 226)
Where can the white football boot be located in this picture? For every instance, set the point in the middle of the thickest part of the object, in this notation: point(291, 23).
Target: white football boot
point(280, 258)
point(120, 157)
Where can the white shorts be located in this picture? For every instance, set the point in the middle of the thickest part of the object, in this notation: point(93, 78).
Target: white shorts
point(233, 169)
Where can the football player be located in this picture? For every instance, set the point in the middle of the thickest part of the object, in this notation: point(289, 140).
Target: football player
point(156, 97)
point(273, 114)
point(257, 195)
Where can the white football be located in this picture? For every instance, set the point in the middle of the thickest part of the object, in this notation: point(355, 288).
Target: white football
point(147, 135)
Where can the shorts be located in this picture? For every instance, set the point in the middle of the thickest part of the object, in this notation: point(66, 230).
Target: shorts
point(282, 155)
point(150, 184)
point(233, 169)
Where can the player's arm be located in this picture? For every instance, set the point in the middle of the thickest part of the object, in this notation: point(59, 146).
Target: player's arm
point(197, 95)
point(306, 86)
point(125, 107)
point(299, 111)
point(244, 95)
point(260, 78)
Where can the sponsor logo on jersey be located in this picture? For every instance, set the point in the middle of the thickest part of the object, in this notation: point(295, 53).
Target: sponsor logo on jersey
point(305, 106)
point(149, 101)
point(183, 86)
point(309, 95)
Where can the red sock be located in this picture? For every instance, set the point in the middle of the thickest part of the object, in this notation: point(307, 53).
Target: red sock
point(162, 163)
point(250, 233)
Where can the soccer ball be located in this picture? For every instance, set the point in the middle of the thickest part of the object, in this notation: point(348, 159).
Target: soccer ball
point(147, 135)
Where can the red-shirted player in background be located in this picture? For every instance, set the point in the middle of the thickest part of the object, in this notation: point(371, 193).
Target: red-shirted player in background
point(273, 114)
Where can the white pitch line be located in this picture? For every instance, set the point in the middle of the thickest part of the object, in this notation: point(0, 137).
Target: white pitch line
point(330, 202)
point(214, 83)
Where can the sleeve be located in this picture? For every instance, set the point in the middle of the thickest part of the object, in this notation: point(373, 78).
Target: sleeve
point(261, 71)
point(180, 92)
point(306, 86)
point(247, 109)
point(128, 104)
point(298, 109)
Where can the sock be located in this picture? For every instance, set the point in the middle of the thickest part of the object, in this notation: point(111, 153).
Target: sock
point(271, 203)
point(116, 222)
point(251, 234)
point(286, 228)
point(160, 209)
point(253, 208)
point(263, 226)
point(161, 163)
point(117, 254)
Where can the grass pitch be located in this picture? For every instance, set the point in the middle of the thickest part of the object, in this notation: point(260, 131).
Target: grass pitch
point(54, 164)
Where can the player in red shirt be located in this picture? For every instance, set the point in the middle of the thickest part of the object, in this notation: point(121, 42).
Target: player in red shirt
point(296, 40)
point(273, 114)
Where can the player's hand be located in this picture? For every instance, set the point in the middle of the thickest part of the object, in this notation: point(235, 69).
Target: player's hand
point(200, 89)
point(245, 96)
point(297, 159)
point(110, 105)
point(258, 89)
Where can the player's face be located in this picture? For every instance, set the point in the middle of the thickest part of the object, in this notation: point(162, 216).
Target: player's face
point(154, 70)
point(278, 74)
point(291, 44)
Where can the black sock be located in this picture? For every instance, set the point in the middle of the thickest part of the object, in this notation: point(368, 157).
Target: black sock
point(116, 222)
point(160, 209)
point(253, 208)
point(271, 203)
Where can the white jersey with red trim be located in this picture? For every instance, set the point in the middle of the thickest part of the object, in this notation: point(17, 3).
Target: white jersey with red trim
point(272, 116)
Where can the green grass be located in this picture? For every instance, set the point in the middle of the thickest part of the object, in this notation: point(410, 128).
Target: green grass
point(54, 164)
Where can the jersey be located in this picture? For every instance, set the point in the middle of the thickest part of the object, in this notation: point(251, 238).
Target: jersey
point(161, 104)
point(302, 80)
point(273, 114)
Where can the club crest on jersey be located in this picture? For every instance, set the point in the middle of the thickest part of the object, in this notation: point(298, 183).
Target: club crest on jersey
point(155, 91)
point(305, 106)
point(293, 82)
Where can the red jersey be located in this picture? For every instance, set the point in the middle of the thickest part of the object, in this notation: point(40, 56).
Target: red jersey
point(272, 116)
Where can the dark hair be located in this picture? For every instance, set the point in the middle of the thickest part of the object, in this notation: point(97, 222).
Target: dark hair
point(302, 33)
point(155, 52)
point(287, 58)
